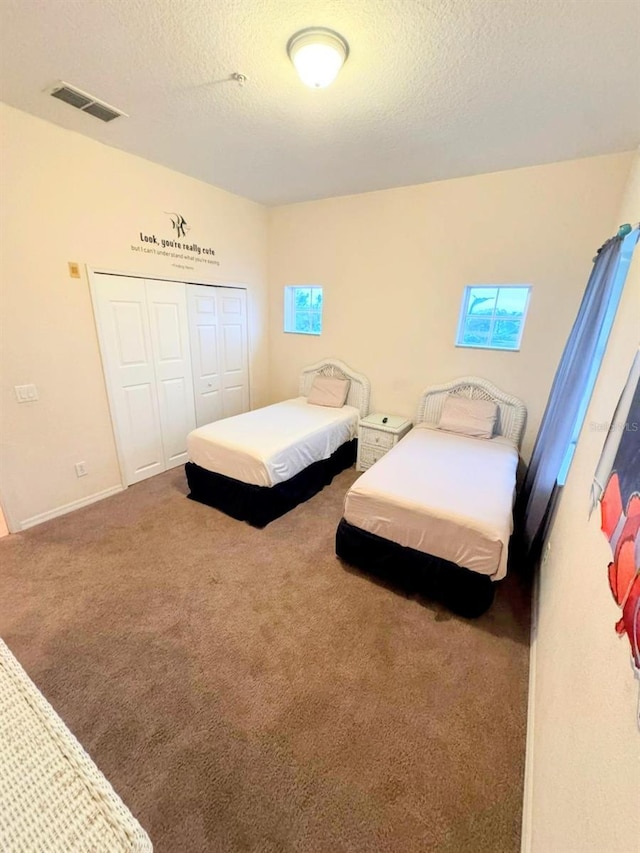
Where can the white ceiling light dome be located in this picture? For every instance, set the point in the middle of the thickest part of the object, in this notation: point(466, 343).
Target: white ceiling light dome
point(318, 54)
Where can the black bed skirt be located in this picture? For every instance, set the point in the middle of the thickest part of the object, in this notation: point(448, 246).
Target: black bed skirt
point(258, 505)
point(465, 592)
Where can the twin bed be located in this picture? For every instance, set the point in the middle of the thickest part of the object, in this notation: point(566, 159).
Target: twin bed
point(434, 515)
point(259, 465)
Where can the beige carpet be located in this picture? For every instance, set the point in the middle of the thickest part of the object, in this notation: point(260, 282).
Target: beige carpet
point(244, 691)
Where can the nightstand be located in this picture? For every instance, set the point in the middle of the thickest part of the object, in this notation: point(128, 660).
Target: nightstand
point(375, 438)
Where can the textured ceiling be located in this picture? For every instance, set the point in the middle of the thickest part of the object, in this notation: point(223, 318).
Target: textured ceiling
point(432, 89)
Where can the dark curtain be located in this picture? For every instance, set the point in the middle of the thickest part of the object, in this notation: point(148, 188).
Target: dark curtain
point(539, 492)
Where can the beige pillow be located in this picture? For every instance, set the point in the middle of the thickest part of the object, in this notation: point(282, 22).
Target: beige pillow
point(476, 418)
point(328, 391)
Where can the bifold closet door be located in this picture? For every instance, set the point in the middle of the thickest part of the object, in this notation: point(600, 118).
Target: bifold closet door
point(203, 334)
point(167, 305)
point(125, 336)
point(234, 358)
point(144, 336)
point(218, 334)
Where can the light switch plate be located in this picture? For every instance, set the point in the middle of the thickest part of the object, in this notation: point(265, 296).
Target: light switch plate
point(26, 393)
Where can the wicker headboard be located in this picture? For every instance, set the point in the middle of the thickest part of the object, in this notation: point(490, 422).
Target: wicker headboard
point(512, 412)
point(359, 389)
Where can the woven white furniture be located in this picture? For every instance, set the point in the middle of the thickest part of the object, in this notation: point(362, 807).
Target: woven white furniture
point(377, 434)
point(512, 412)
point(53, 798)
point(359, 389)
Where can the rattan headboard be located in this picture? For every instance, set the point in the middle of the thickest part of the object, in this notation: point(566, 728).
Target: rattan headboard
point(359, 389)
point(512, 412)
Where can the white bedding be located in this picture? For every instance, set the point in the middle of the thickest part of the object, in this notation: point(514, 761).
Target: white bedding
point(272, 444)
point(443, 494)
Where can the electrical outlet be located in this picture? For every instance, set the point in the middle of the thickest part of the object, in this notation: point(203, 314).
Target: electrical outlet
point(26, 393)
point(81, 469)
point(74, 269)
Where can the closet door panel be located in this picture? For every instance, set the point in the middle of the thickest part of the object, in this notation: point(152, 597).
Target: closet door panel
point(234, 401)
point(208, 351)
point(130, 331)
point(167, 305)
point(145, 457)
point(233, 350)
point(169, 337)
point(123, 327)
point(176, 400)
point(203, 334)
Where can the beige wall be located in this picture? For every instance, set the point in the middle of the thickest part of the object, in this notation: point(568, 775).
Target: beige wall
point(583, 767)
point(393, 265)
point(67, 198)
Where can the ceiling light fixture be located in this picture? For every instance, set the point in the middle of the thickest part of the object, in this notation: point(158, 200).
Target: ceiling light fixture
point(318, 54)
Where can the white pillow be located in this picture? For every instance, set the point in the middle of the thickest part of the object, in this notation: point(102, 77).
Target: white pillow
point(476, 418)
point(328, 391)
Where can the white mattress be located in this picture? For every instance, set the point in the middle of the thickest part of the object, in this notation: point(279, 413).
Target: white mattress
point(442, 494)
point(272, 444)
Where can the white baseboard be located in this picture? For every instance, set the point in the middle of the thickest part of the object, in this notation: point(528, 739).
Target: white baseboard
point(63, 510)
point(527, 799)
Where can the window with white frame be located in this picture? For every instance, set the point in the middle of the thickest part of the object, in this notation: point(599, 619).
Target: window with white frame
point(493, 317)
point(303, 309)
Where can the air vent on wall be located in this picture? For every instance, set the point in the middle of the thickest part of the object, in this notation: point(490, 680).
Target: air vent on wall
point(85, 102)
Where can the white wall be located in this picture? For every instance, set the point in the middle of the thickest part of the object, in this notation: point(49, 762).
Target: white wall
point(68, 198)
point(393, 265)
point(583, 767)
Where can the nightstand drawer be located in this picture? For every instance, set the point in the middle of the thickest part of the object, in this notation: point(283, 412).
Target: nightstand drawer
point(377, 438)
point(368, 455)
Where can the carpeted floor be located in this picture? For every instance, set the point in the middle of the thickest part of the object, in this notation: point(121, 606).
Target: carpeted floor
point(244, 691)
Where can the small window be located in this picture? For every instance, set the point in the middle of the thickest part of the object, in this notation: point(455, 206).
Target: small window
point(493, 317)
point(303, 309)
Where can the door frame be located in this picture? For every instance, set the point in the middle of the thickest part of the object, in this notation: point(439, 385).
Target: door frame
point(12, 527)
point(91, 273)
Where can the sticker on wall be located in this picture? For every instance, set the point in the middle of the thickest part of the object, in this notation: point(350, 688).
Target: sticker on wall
point(616, 486)
point(175, 244)
point(179, 223)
